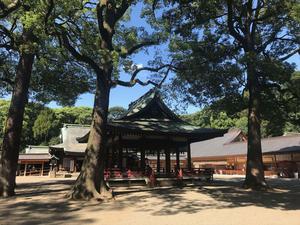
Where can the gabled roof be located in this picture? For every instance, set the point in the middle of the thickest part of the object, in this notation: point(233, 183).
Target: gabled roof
point(149, 106)
point(35, 157)
point(154, 126)
point(32, 149)
point(226, 146)
point(146, 115)
point(69, 134)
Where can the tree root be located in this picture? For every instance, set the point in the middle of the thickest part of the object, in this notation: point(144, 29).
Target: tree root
point(80, 192)
point(261, 186)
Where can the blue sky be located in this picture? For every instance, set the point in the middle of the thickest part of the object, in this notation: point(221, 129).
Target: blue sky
point(122, 96)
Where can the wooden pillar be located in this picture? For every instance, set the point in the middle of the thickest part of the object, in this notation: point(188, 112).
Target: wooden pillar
point(25, 170)
point(120, 158)
point(177, 158)
point(158, 161)
point(143, 164)
point(111, 153)
point(275, 160)
point(113, 156)
point(42, 171)
point(168, 161)
point(18, 169)
point(107, 158)
point(189, 159)
point(75, 165)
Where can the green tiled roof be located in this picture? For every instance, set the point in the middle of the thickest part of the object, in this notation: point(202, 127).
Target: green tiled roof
point(150, 105)
point(140, 103)
point(160, 126)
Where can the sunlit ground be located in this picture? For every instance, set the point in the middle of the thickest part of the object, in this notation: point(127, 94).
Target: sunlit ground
point(40, 200)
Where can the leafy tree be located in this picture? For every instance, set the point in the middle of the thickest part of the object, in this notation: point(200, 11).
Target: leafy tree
point(115, 112)
point(54, 141)
point(226, 47)
point(74, 115)
point(23, 49)
point(44, 126)
point(97, 35)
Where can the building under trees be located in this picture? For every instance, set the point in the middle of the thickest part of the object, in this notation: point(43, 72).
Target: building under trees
point(147, 134)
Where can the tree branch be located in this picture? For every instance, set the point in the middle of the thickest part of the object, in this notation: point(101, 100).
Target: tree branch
point(78, 56)
point(131, 84)
point(290, 55)
point(49, 11)
point(134, 81)
point(230, 23)
point(137, 47)
point(7, 80)
point(120, 11)
point(5, 10)
point(104, 30)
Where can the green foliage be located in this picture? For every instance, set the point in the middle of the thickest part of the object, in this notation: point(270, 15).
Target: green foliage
point(74, 115)
point(3, 112)
point(44, 124)
point(211, 117)
point(41, 125)
point(55, 75)
point(54, 141)
point(115, 112)
point(31, 113)
point(212, 50)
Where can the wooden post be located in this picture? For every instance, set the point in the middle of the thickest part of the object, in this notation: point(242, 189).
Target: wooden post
point(113, 156)
point(42, 171)
point(120, 158)
point(18, 169)
point(177, 158)
point(120, 154)
point(168, 161)
point(25, 170)
point(189, 159)
point(75, 165)
point(158, 162)
point(275, 159)
point(143, 164)
point(107, 158)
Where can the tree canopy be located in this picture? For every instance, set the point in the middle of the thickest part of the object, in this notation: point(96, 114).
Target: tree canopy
point(236, 52)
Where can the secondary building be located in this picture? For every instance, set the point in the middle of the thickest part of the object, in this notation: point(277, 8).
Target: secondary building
point(148, 134)
point(228, 154)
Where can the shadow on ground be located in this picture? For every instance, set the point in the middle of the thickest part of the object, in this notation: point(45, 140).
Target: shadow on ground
point(220, 194)
point(45, 202)
point(40, 203)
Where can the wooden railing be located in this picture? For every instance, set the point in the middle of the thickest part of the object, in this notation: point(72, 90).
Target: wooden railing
point(241, 172)
point(36, 172)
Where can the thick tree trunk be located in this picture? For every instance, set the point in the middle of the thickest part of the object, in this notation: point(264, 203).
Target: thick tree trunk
point(90, 182)
point(13, 127)
point(254, 172)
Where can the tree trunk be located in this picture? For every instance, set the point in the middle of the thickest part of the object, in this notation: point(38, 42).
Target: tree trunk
point(13, 127)
point(90, 182)
point(254, 172)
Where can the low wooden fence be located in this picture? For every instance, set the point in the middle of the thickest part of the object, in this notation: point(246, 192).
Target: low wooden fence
point(241, 172)
point(36, 172)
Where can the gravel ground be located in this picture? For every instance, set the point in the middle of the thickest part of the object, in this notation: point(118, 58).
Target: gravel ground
point(40, 200)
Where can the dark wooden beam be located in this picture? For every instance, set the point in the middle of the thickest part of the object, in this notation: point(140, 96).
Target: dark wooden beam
point(189, 158)
point(177, 158)
point(168, 161)
point(158, 161)
point(120, 148)
point(143, 160)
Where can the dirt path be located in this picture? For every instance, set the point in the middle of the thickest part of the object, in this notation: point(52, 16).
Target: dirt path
point(40, 200)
